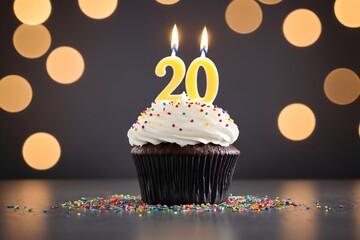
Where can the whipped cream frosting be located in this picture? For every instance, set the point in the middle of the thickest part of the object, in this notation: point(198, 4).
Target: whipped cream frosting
point(184, 122)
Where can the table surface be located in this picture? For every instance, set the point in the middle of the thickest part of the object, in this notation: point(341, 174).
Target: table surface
point(289, 223)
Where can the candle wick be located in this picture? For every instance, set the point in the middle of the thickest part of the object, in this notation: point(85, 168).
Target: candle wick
point(173, 53)
point(203, 52)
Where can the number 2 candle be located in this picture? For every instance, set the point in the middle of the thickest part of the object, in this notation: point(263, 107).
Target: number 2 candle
point(178, 67)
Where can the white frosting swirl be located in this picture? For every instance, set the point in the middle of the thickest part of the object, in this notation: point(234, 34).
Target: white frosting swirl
point(185, 123)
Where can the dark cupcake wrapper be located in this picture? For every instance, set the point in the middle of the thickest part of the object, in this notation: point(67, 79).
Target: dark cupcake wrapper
point(184, 179)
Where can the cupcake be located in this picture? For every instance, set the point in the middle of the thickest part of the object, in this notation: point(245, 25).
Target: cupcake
point(182, 152)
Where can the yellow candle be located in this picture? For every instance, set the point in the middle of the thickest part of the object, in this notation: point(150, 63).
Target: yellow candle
point(212, 76)
point(178, 67)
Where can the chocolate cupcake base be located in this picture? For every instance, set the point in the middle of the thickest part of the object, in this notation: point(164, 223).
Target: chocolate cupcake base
point(171, 174)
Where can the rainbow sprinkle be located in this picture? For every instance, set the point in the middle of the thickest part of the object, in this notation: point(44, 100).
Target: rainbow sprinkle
point(120, 203)
point(129, 203)
point(169, 109)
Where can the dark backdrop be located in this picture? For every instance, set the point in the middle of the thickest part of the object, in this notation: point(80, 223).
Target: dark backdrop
point(260, 73)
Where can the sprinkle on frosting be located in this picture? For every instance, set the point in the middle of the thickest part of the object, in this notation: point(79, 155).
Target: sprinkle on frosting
point(184, 122)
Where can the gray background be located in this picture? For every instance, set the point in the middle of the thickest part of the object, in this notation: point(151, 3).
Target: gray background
point(260, 73)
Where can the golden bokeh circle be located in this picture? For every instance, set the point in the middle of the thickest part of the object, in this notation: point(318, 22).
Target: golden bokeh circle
point(167, 2)
point(342, 86)
point(270, 2)
point(15, 93)
point(32, 12)
point(296, 121)
point(348, 12)
point(243, 16)
point(41, 151)
point(302, 28)
point(98, 9)
point(31, 41)
point(65, 65)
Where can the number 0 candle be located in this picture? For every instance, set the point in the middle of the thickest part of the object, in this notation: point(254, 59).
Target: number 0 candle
point(212, 76)
point(178, 67)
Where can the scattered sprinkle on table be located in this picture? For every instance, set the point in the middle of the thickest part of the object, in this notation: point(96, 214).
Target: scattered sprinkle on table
point(119, 203)
point(129, 203)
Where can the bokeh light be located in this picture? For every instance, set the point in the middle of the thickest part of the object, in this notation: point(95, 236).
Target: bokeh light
point(168, 2)
point(270, 2)
point(296, 122)
point(65, 65)
point(31, 41)
point(15, 93)
point(243, 16)
point(32, 12)
point(302, 28)
point(348, 12)
point(98, 9)
point(342, 86)
point(41, 151)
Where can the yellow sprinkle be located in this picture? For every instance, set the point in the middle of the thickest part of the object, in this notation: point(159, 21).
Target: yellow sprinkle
point(160, 125)
point(207, 124)
point(79, 214)
point(135, 129)
point(149, 122)
point(148, 110)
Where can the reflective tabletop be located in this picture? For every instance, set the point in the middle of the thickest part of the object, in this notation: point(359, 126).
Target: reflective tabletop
point(341, 222)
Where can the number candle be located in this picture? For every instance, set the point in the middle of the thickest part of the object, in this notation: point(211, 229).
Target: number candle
point(212, 76)
point(178, 67)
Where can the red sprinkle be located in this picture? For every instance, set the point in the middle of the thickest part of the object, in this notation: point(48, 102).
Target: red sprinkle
point(226, 125)
point(143, 126)
point(150, 114)
point(180, 129)
point(169, 113)
point(192, 120)
point(201, 110)
point(220, 120)
point(173, 125)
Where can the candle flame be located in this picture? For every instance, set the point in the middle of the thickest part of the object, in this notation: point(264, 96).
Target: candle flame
point(204, 41)
point(174, 39)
